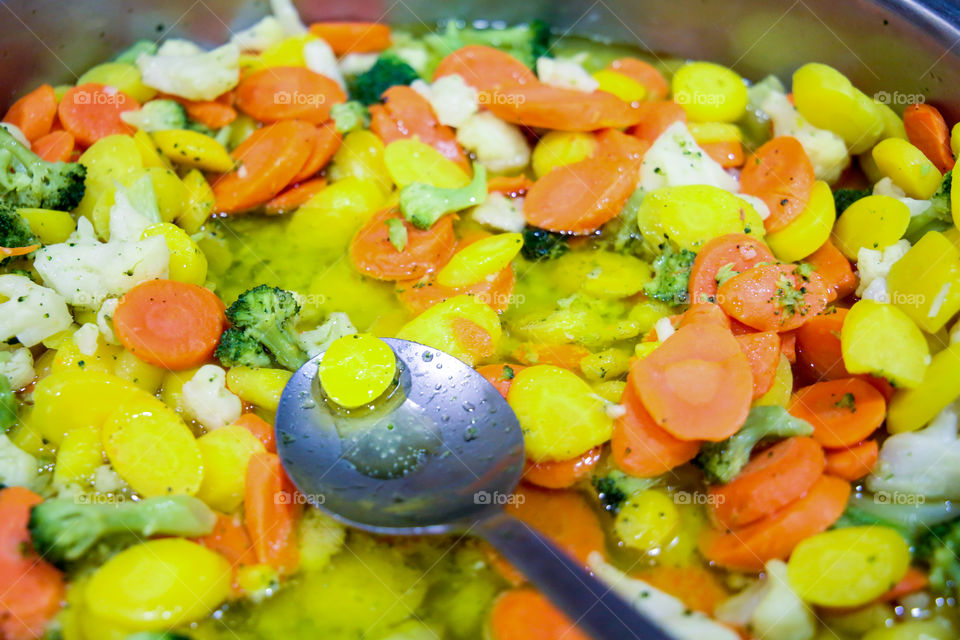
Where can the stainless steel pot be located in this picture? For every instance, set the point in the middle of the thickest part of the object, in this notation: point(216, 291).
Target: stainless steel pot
point(900, 47)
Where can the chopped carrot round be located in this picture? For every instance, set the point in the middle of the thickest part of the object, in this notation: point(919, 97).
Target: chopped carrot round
point(616, 145)
point(421, 294)
point(928, 131)
point(914, 580)
point(763, 353)
point(34, 113)
point(260, 428)
point(698, 587)
point(780, 174)
point(835, 269)
point(524, 614)
point(288, 93)
point(563, 516)
point(726, 153)
point(548, 107)
point(655, 117)
point(92, 111)
point(295, 196)
point(843, 412)
point(853, 463)
point(426, 250)
point(326, 141)
point(271, 513)
point(56, 146)
point(500, 375)
point(561, 474)
point(353, 37)
point(735, 252)
point(486, 68)
point(10, 252)
point(230, 539)
point(818, 347)
point(566, 356)
point(645, 73)
point(773, 297)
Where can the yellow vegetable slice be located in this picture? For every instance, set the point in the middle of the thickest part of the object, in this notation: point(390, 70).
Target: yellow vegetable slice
point(647, 521)
point(912, 409)
point(193, 149)
point(874, 222)
point(172, 194)
point(78, 456)
point(159, 584)
point(260, 387)
point(882, 340)
point(48, 225)
point(925, 283)
point(329, 220)
point(361, 156)
point(709, 92)
point(357, 369)
point(560, 416)
point(226, 453)
point(436, 328)
point(199, 202)
point(779, 394)
point(809, 230)
point(187, 262)
point(907, 167)
point(480, 259)
point(827, 99)
point(603, 273)
point(410, 161)
point(620, 85)
point(122, 75)
point(559, 148)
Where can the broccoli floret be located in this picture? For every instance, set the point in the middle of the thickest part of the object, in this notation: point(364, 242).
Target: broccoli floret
point(26, 180)
point(540, 244)
point(63, 530)
point(671, 276)
point(423, 204)
point(263, 315)
point(388, 71)
point(8, 405)
point(616, 486)
point(237, 349)
point(939, 548)
point(14, 230)
point(722, 461)
point(843, 198)
point(937, 217)
point(157, 115)
point(349, 116)
point(526, 42)
point(134, 51)
point(865, 510)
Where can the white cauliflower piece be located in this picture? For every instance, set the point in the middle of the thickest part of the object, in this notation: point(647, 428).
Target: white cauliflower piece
point(498, 145)
point(770, 608)
point(320, 59)
point(886, 187)
point(200, 75)
point(501, 213)
point(15, 131)
point(86, 338)
point(288, 17)
point(664, 329)
point(669, 612)
point(133, 211)
point(86, 271)
point(16, 365)
point(924, 462)
point(261, 36)
point(17, 467)
point(874, 264)
point(106, 480)
point(565, 74)
point(31, 313)
point(759, 205)
point(877, 291)
point(207, 399)
point(452, 99)
point(105, 320)
point(353, 64)
point(674, 159)
point(826, 150)
point(316, 341)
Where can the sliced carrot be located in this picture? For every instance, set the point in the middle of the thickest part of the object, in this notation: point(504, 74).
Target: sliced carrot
point(56, 146)
point(292, 198)
point(640, 446)
point(472, 337)
point(928, 131)
point(655, 117)
point(260, 428)
point(704, 312)
point(835, 269)
point(579, 197)
point(272, 512)
point(695, 585)
point(353, 37)
point(914, 580)
point(549, 107)
point(512, 186)
point(727, 153)
point(780, 174)
point(486, 68)
point(763, 353)
point(853, 463)
point(210, 113)
point(788, 345)
point(645, 73)
point(326, 141)
point(697, 385)
point(288, 93)
point(34, 113)
point(421, 294)
point(567, 356)
point(407, 114)
point(426, 250)
point(33, 589)
point(561, 474)
point(773, 297)
point(735, 252)
point(10, 252)
point(775, 536)
point(92, 111)
point(230, 539)
point(269, 160)
point(563, 516)
point(774, 477)
point(843, 412)
point(615, 144)
point(525, 614)
point(500, 375)
point(818, 346)
point(510, 574)
point(170, 324)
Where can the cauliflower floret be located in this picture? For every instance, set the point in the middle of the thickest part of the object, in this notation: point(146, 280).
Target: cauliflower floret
point(86, 338)
point(261, 36)
point(664, 609)
point(106, 480)
point(16, 365)
point(500, 212)
point(353, 64)
point(886, 187)
point(200, 75)
point(497, 145)
point(874, 264)
point(105, 320)
point(826, 150)
point(288, 17)
point(17, 467)
point(133, 210)
point(320, 59)
point(674, 159)
point(759, 205)
point(316, 341)
point(31, 313)
point(770, 608)
point(86, 271)
point(924, 462)
point(207, 399)
point(565, 74)
point(452, 99)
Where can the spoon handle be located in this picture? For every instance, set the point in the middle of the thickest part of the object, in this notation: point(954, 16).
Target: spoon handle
point(590, 603)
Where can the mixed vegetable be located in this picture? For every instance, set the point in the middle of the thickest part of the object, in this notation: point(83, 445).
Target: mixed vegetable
point(724, 311)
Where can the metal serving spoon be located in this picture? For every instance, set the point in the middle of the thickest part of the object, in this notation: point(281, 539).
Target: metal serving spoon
point(439, 454)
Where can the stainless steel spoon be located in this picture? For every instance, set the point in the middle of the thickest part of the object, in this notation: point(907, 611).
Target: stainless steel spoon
point(441, 454)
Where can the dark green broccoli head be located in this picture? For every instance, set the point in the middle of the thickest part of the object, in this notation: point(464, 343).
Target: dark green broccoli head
point(939, 548)
point(237, 349)
point(265, 315)
point(540, 244)
point(26, 180)
point(671, 276)
point(615, 487)
point(388, 71)
point(843, 198)
point(263, 306)
point(14, 230)
point(937, 217)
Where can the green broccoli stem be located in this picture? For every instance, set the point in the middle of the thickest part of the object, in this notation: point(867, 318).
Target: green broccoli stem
point(22, 154)
point(423, 204)
point(284, 346)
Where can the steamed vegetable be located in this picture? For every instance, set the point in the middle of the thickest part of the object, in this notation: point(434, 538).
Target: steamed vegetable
point(262, 321)
point(28, 181)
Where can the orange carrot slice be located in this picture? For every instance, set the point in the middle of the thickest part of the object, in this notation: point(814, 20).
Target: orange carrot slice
point(292, 198)
point(272, 512)
point(567, 356)
point(372, 253)
point(353, 37)
point(510, 186)
point(645, 73)
point(928, 131)
point(763, 353)
point(500, 375)
point(780, 174)
point(34, 113)
point(835, 269)
point(818, 346)
point(56, 146)
point(548, 107)
point(655, 117)
point(260, 428)
point(9, 252)
point(914, 580)
point(288, 93)
point(524, 614)
point(727, 153)
point(230, 539)
point(773, 297)
point(326, 141)
point(421, 294)
point(486, 68)
point(563, 516)
point(698, 587)
point(735, 252)
point(562, 474)
point(853, 463)
point(92, 111)
point(843, 412)
point(615, 144)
